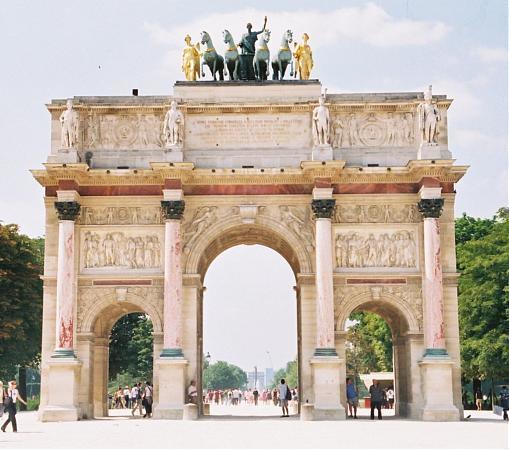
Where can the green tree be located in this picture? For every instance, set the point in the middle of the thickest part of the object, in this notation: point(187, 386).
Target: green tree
point(21, 264)
point(369, 346)
point(484, 297)
point(290, 373)
point(468, 228)
point(222, 375)
point(131, 347)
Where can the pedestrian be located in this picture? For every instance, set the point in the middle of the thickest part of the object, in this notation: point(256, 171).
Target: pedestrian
point(504, 400)
point(478, 399)
point(274, 396)
point(284, 396)
point(377, 398)
point(9, 402)
point(352, 398)
point(2, 395)
point(127, 396)
point(390, 397)
point(192, 393)
point(148, 399)
point(134, 399)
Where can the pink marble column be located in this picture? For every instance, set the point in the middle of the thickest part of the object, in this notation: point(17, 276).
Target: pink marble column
point(173, 211)
point(323, 209)
point(67, 213)
point(432, 278)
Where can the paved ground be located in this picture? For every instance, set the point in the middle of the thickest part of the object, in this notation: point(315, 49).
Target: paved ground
point(254, 429)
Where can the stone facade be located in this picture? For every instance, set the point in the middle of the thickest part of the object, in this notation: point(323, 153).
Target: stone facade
point(148, 218)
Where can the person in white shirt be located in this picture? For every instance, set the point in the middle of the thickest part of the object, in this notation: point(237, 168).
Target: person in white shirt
point(127, 396)
point(135, 401)
point(10, 401)
point(192, 393)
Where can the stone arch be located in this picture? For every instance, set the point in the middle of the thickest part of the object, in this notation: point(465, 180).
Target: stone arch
point(232, 231)
point(118, 308)
point(394, 310)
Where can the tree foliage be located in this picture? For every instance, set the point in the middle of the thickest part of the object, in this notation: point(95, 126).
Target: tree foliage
point(483, 259)
point(290, 373)
point(21, 264)
point(131, 347)
point(222, 375)
point(369, 346)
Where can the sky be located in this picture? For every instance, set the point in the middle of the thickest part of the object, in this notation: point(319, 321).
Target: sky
point(59, 49)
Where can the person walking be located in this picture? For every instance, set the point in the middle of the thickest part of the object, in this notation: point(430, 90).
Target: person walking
point(390, 397)
point(352, 397)
point(478, 399)
point(134, 399)
point(9, 402)
point(504, 400)
point(377, 398)
point(127, 397)
point(274, 396)
point(148, 399)
point(255, 396)
point(284, 394)
point(2, 396)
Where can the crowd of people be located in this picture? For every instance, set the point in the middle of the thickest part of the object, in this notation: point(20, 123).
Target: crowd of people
point(138, 397)
point(235, 396)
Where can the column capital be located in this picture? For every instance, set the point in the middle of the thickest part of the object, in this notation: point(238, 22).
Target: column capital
point(323, 208)
point(173, 209)
point(430, 207)
point(67, 210)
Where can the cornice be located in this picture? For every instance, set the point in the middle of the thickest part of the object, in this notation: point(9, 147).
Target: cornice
point(441, 170)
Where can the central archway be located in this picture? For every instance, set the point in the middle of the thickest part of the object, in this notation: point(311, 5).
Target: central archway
point(268, 235)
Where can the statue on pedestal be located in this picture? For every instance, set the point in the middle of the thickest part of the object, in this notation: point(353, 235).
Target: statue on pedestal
point(173, 128)
point(303, 58)
point(70, 121)
point(247, 46)
point(321, 123)
point(429, 115)
point(191, 60)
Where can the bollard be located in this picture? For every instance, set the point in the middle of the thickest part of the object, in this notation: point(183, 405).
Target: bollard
point(307, 411)
point(206, 409)
point(190, 412)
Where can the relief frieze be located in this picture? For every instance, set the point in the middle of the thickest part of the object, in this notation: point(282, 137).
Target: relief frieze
point(128, 215)
point(376, 213)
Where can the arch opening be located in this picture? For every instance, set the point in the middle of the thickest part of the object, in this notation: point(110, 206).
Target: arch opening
point(249, 319)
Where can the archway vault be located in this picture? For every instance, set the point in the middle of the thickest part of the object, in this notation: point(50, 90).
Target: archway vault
point(231, 232)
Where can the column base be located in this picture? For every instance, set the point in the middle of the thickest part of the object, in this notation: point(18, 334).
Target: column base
point(64, 353)
point(171, 353)
point(325, 351)
point(172, 378)
point(63, 381)
point(436, 374)
point(326, 386)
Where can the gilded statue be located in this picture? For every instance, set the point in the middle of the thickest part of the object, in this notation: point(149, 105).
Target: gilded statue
point(191, 60)
point(429, 115)
point(303, 58)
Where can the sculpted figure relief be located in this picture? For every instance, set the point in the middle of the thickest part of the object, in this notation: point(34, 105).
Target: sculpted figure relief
point(70, 121)
point(173, 128)
point(362, 250)
point(116, 250)
point(202, 220)
point(191, 60)
point(321, 123)
point(303, 58)
point(429, 115)
point(376, 213)
point(120, 215)
point(297, 223)
point(353, 131)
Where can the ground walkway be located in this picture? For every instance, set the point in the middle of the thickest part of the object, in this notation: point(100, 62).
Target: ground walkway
point(483, 430)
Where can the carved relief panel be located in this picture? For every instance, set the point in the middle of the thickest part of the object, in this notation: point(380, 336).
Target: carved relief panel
point(126, 131)
point(121, 251)
point(128, 215)
point(367, 248)
point(376, 213)
point(391, 129)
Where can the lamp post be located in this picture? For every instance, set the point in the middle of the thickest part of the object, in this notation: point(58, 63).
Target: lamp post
point(256, 377)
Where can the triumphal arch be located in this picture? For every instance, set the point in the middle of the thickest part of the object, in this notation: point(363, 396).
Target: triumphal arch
point(355, 191)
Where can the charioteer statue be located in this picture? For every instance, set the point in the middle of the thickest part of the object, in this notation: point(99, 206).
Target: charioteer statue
point(247, 46)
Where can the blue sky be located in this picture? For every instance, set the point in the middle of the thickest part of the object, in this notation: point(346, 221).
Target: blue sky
point(53, 49)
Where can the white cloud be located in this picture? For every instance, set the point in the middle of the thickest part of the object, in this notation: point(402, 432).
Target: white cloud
point(490, 54)
point(369, 23)
point(473, 138)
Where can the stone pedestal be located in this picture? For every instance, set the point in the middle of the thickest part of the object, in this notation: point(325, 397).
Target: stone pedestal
point(429, 151)
point(65, 156)
point(246, 69)
point(307, 411)
point(436, 375)
point(322, 153)
point(63, 382)
point(172, 376)
point(190, 411)
point(326, 384)
point(173, 154)
point(206, 409)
